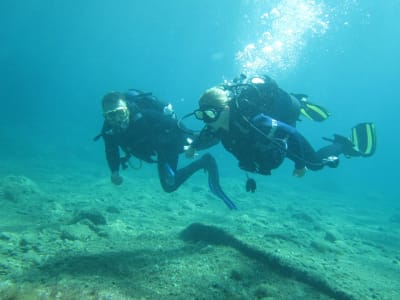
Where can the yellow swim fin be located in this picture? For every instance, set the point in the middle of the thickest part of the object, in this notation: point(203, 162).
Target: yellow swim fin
point(363, 137)
point(310, 110)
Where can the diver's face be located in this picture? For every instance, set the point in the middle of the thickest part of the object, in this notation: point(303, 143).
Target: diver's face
point(118, 117)
point(222, 122)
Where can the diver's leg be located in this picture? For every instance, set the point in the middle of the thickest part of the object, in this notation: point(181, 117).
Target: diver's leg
point(213, 180)
point(167, 166)
point(314, 160)
point(171, 178)
point(340, 145)
point(330, 150)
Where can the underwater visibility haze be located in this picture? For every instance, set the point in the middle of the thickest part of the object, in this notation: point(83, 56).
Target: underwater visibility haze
point(66, 232)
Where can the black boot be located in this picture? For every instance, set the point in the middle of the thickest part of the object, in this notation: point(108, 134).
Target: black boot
point(348, 148)
point(340, 145)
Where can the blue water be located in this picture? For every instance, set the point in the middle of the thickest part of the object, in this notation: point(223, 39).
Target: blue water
point(59, 57)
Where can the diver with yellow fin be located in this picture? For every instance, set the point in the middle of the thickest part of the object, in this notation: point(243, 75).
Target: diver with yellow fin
point(255, 121)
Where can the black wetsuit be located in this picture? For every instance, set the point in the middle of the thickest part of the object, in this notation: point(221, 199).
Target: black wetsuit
point(261, 143)
point(156, 138)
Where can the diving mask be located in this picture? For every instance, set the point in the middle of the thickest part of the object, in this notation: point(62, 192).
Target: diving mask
point(118, 117)
point(207, 115)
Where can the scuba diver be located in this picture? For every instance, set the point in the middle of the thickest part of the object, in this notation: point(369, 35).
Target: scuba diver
point(255, 121)
point(146, 128)
point(260, 93)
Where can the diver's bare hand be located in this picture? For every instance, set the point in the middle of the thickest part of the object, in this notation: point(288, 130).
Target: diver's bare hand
point(190, 152)
point(300, 172)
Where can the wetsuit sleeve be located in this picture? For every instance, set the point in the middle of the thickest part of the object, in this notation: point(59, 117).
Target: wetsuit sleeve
point(112, 151)
point(272, 129)
point(206, 139)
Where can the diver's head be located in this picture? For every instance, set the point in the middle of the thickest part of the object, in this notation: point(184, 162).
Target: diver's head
point(214, 97)
point(213, 106)
point(115, 109)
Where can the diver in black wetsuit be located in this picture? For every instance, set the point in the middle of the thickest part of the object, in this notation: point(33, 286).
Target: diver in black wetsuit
point(152, 135)
point(260, 143)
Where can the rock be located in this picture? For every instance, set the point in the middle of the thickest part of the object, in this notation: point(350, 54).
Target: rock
point(236, 275)
point(92, 215)
point(330, 237)
point(302, 216)
point(113, 209)
point(320, 246)
point(4, 237)
point(17, 188)
point(77, 232)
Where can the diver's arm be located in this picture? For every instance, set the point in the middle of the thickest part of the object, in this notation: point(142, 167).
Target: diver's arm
point(111, 147)
point(206, 139)
point(113, 157)
point(112, 153)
